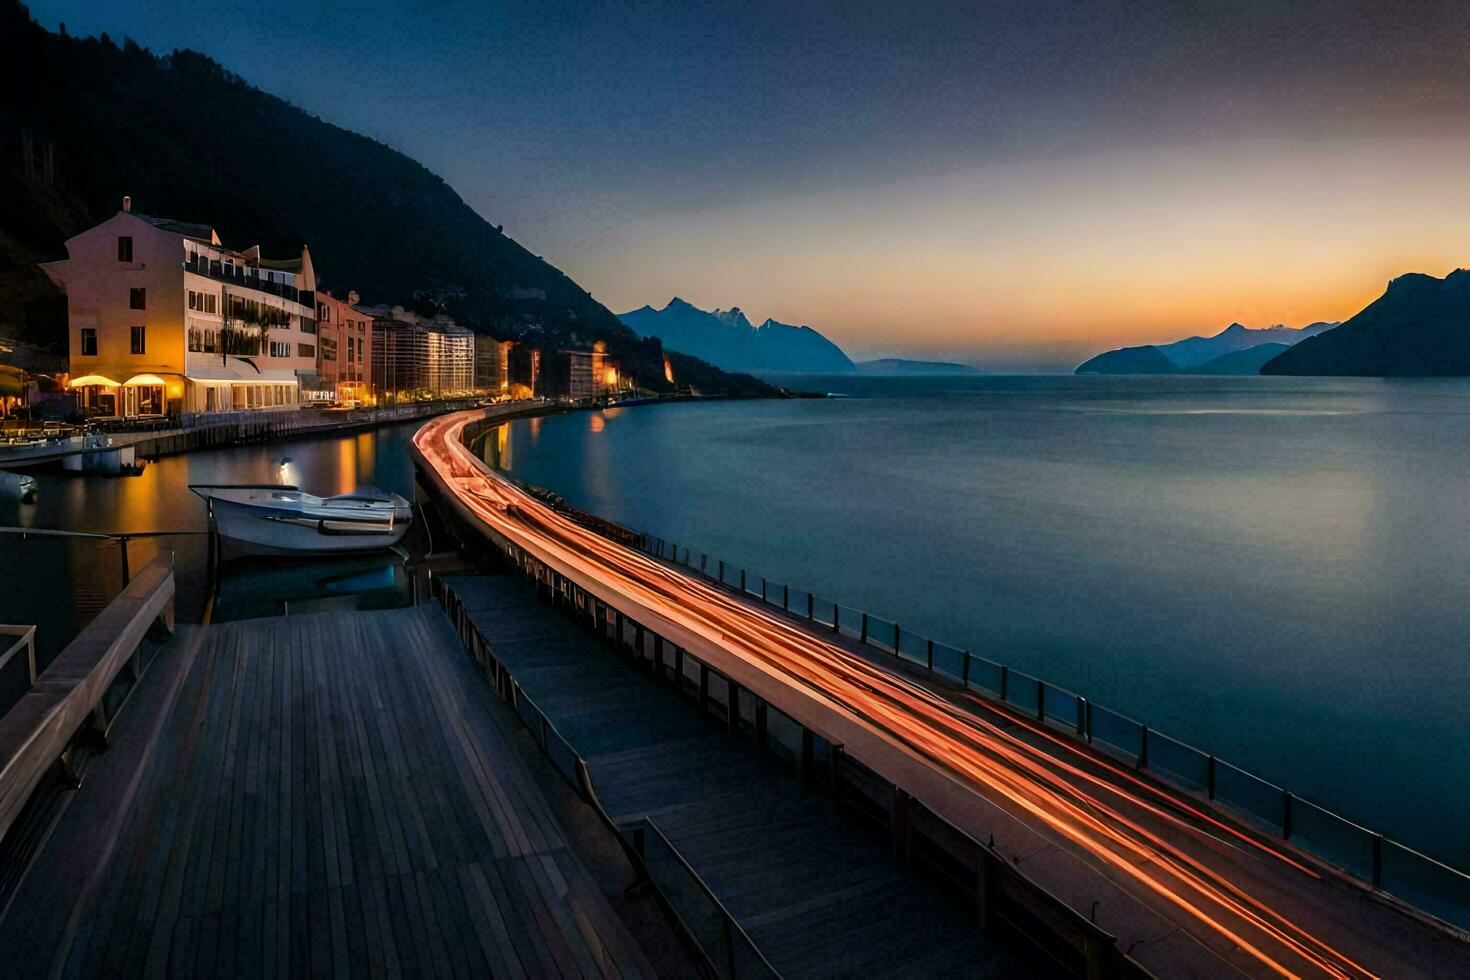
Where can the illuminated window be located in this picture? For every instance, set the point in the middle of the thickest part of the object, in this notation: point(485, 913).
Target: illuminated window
point(89, 341)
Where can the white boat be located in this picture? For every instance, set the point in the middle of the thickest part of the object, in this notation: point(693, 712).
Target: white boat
point(272, 519)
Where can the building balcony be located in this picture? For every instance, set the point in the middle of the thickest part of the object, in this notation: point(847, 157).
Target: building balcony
point(250, 278)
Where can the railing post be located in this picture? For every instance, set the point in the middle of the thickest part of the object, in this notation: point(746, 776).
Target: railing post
point(965, 669)
point(1285, 815)
point(123, 548)
point(1005, 676)
point(742, 581)
point(836, 618)
point(986, 871)
point(1041, 700)
point(863, 630)
point(1210, 777)
point(1142, 747)
point(811, 612)
point(722, 571)
point(1377, 860)
point(786, 598)
point(1081, 717)
point(763, 588)
point(729, 947)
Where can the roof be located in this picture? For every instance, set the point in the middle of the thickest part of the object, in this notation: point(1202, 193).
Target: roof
point(283, 265)
point(188, 229)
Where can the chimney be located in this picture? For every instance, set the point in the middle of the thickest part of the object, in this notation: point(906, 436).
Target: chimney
point(127, 203)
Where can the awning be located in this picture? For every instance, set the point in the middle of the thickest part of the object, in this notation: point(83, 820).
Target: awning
point(139, 380)
point(87, 380)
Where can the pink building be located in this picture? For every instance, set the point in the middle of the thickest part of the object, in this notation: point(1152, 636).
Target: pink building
point(165, 320)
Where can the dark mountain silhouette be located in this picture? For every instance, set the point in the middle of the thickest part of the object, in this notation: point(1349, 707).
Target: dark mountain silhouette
point(1198, 350)
point(1419, 327)
point(1186, 355)
point(727, 339)
point(1130, 360)
point(1246, 361)
point(85, 121)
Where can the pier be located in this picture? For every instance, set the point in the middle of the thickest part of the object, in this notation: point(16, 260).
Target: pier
point(1164, 882)
point(329, 793)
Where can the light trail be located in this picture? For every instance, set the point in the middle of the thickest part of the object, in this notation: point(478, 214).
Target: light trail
point(1076, 805)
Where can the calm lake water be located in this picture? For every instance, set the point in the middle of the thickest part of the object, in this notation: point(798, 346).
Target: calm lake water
point(60, 585)
point(1276, 570)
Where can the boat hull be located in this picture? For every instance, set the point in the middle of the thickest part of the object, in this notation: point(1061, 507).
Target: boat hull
point(246, 530)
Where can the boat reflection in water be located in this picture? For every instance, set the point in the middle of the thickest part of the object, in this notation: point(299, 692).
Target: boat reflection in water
point(252, 587)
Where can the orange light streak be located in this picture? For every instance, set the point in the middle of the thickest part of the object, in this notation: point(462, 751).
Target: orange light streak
point(1066, 798)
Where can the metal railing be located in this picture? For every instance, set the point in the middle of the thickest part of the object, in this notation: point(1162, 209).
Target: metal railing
point(1001, 897)
point(1403, 872)
point(703, 914)
point(25, 640)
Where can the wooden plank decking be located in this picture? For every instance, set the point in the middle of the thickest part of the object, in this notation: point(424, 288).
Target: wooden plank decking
point(818, 896)
point(330, 796)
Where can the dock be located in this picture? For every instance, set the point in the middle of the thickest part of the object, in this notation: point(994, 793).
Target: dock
point(816, 894)
point(328, 794)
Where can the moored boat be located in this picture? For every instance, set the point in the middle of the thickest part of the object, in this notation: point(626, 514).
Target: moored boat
point(273, 519)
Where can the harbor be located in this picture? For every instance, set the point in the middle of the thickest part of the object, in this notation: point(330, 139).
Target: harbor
point(482, 755)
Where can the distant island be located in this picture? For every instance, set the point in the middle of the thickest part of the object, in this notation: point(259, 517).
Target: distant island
point(728, 340)
point(1419, 327)
point(898, 366)
point(1237, 349)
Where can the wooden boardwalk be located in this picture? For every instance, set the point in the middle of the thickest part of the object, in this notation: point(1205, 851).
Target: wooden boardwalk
point(818, 896)
point(329, 795)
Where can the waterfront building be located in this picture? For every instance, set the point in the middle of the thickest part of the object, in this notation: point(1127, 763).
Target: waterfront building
point(585, 374)
point(525, 371)
point(163, 319)
point(417, 357)
point(591, 374)
point(492, 365)
point(344, 348)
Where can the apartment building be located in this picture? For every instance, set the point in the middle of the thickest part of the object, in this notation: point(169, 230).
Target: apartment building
point(418, 357)
point(344, 348)
point(163, 319)
point(492, 365)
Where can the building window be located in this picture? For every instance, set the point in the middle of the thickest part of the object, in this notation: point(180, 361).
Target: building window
point(139, 341)
point(125, 248)
point(306, 350)
point(280, 348)
point(138, 298)
point(89, 341)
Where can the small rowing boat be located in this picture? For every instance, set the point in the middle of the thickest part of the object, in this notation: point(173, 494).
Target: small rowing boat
point(272, 519)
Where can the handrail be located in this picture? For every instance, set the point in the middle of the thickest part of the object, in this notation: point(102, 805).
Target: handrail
point(39, 729)
point(732, 924)
point(510, 690)
point(660, 549)
point(27, 639)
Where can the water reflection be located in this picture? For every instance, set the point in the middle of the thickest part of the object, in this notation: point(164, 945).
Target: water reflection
point(249, 588)
point(60, 584)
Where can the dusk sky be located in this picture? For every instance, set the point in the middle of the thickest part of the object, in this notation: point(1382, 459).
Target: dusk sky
point(1013, 185)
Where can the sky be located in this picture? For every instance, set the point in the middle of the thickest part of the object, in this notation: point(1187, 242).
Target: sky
point(1012, 185)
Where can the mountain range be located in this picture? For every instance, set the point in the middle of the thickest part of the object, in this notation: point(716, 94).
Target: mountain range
point(1223, 353)
point(84, 121)
point(1419, 327)
point(728, 338)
